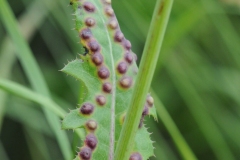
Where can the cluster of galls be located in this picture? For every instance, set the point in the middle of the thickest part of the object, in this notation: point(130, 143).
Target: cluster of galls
point(147, 106)
point(118, 37)
point(91, 141)
point(90, 144)
point(122, 66)
point(91, 125)
point(87, 108)
point(97, 58)
point(94, 49)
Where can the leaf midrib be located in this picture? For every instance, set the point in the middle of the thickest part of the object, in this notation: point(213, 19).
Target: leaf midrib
point(112, 131)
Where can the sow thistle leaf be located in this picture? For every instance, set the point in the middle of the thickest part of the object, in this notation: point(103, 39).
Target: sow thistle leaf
point(108, 70)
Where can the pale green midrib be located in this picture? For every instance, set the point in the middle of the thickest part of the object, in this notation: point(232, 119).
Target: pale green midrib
point(112, 130)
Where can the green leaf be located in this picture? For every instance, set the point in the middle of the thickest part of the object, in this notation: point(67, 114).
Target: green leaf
point(109, 62)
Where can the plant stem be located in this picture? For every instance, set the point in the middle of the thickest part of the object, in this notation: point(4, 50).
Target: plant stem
point(143, 82)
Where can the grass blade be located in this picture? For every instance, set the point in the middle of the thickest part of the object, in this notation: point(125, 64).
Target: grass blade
point(199, 112)
point(3, 152)
point(178, 139)
point(23, 92)
point(36, 145)
point(28, 23)
point(33, 72)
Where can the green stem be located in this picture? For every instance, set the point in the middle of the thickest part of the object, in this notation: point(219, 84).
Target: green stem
point(143, 82)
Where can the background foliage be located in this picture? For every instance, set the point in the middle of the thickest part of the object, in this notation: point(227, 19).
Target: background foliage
point(197, 77)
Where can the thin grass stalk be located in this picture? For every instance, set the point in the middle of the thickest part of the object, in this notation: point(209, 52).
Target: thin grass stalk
point(33, 72)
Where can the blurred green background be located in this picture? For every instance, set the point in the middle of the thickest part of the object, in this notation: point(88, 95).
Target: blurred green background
point(196, 84)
